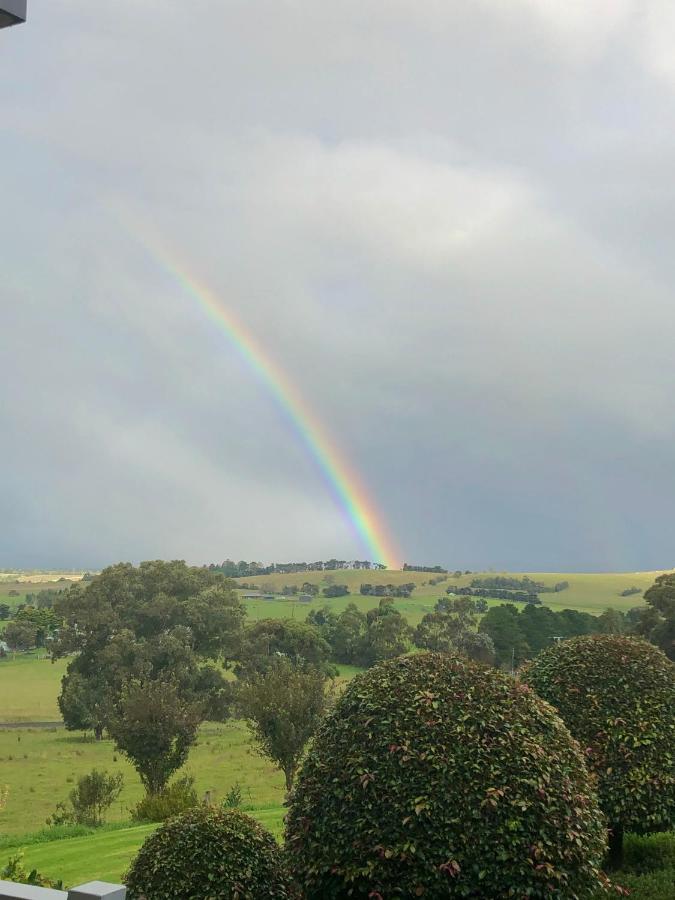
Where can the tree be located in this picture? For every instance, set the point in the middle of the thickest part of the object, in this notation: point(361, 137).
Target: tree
point(147, 601)
point(388, 634)
point(95, 793)
point(452, 629)
point(436, 631)
point(283, 708)
point(349, 635)
point(502, 624)
point(336, 590)
point(479, 647)
point(154, 726)
point(269, 639)
point(83, 703)
point(617, 697)
point(611, 621)
point(5, 611)
point(657, 622)
point(539, 626)
point(20, 635)
point(160, 620)
point(45, 622)
point(436, 777)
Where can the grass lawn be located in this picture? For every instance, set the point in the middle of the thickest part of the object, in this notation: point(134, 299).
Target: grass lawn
point(105, 855)
point(29, 686)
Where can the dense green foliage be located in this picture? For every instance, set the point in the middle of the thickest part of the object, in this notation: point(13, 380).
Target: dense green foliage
point(336, 590)
point(157, 621)
point(95, 793)
point(267, 640)
point(657, 622)
point(452, 628)
point(174, 799)
point(283, 707)
point(154, 726)
point(243, 569)
point(617, 696)
point(387, 590)
point(363, 639)
point(434, 776)
point(209, 852)
point(17, 871)
point(519, 634)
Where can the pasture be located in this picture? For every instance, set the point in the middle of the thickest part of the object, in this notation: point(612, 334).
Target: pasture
point(29, 686)
point(41, 765)
point(591, 593)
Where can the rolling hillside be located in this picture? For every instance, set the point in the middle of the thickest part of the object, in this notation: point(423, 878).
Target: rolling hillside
point(591, 593)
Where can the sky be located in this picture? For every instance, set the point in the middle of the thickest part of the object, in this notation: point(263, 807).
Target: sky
point(449, 224)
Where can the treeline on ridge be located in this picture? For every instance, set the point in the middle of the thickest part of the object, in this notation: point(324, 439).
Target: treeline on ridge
point(242, 569)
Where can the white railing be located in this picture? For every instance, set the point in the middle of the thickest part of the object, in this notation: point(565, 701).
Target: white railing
point(94, 890)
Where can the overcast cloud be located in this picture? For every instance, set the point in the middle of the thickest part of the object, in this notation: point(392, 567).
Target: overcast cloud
point(451, 223)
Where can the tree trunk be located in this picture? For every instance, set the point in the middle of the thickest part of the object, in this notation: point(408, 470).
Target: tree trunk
point(98, 731)
point(615, 851)
point(289, 773)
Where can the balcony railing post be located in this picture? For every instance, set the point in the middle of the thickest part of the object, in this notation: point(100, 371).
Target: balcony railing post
point(11, 891)
point(98, 890)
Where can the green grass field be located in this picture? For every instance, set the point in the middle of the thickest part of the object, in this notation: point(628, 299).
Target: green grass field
point(40, 767)
point(29, 686)
point(590, 593)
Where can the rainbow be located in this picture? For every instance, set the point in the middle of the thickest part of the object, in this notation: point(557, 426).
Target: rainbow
point(343, 481)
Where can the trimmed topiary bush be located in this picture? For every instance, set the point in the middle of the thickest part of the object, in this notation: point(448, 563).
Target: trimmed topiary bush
point(617, 696)
point(209, 854)
point(434, 777)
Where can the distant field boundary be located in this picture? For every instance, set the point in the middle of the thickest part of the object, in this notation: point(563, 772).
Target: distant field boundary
point(9, 725)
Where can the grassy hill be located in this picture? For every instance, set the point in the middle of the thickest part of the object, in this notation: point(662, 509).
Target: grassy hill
point(590, 593)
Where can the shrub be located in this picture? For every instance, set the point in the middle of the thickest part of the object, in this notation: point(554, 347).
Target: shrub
point(617, 696)
point(209, 852)
point(178, 797)
point(16, 871)
point(95, 793)
point(652, 886)
point(434, 776)
point(234, 797)
point(649, 853)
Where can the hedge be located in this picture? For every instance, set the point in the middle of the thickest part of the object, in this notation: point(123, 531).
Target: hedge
point(209, 854)
point(434, 776)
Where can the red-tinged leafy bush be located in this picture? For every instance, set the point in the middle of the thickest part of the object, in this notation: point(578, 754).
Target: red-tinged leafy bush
point(437, 777)
point(209, 854)
point(617, 696)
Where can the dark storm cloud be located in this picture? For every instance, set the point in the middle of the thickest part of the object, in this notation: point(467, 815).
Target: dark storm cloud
point(448, 222)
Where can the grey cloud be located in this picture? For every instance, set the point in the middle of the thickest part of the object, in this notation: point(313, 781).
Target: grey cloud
point(447, 222)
